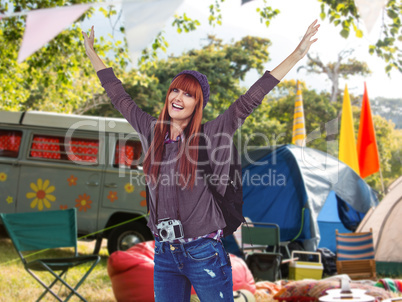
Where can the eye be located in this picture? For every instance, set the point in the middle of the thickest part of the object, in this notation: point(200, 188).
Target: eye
point(175, 90)
point(189, 95)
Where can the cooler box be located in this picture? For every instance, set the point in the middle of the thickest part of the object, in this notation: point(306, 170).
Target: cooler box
point(299, 270)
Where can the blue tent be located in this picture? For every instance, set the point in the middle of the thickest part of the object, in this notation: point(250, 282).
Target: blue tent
point(289, 185)
point(328, 221)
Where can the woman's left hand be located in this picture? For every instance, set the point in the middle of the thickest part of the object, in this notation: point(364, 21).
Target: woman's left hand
point(304, 45)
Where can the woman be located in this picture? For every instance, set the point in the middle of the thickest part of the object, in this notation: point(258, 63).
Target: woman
point(191, 254)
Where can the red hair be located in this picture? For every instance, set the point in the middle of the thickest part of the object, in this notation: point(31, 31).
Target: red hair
point(189, 145)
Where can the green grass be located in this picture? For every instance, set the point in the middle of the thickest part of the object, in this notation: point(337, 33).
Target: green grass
point(17, 285)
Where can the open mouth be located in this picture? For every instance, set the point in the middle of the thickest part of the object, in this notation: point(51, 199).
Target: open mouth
point(178, 107)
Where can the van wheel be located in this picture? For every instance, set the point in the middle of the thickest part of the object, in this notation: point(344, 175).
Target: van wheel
point(126, 236)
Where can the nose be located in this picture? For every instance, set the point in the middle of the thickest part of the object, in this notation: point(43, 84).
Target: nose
point(180, 95)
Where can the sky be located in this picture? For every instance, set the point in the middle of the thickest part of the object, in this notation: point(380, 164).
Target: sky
point(285, 32)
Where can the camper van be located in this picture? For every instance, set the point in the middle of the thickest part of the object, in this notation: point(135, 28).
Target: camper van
point(52, 161)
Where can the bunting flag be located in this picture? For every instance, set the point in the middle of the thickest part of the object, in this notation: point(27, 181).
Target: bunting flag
point(347, 144)
point(299, 130)
point(367, 151)
point(144, 20)
point(369, 10)
point(43, 25)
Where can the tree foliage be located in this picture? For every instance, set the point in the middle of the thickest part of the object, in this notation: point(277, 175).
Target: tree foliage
point(344, 14)
point(341, 13)
point(58, 77)
point(337, 70)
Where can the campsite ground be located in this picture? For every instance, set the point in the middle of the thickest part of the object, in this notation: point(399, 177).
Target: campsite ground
point(17, 285)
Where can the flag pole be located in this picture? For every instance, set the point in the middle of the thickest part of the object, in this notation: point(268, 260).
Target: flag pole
point(382, 181)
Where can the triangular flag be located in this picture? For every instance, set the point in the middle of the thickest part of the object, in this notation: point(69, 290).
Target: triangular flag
point(367, 151)
point(369, 10)
point(299, 129)
point(347, 144)
point(144, 20)
point(43, 25)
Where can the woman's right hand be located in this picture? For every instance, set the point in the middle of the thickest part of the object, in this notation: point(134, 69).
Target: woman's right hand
point(90, 51)
point(89, 41)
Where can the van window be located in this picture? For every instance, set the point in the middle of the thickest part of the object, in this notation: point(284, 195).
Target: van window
point(127, 154)
point(83, 150)
point(10, 142)
point(53, 148)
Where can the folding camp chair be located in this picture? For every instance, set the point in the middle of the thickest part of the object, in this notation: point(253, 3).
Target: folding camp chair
point(48, 230)
point(259, 236)
point(355, 255)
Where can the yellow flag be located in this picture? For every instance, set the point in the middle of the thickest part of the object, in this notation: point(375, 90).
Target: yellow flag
point(299, 130)
point(347, 142)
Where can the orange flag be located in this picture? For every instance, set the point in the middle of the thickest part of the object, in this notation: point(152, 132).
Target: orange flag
point(369, 161)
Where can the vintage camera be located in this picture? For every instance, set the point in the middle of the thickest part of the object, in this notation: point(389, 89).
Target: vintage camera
point(170, 229)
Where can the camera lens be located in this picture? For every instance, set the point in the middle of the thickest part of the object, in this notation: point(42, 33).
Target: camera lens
point(163, 233)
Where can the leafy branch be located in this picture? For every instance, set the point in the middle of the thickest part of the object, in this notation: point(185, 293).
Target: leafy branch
point(344, 14)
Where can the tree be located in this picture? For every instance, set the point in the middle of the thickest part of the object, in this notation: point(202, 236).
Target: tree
point(344, 13)
point(335, 70)
point(341, 13)
point(318, 111)
point(395, 162)
point(59, 77)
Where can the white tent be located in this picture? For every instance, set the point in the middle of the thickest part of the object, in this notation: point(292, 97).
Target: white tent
point(385, 221)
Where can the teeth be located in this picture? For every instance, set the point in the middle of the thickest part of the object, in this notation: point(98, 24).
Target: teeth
point(177, 106)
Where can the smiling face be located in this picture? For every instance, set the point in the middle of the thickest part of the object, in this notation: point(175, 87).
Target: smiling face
point(181, 105)
point(183, 97)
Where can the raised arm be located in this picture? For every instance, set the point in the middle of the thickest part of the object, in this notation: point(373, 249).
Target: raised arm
point(97, 63)
point(301, 50)
point(121, 100)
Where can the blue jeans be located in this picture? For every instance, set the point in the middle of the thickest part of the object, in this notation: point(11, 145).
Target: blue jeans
point(202, 263)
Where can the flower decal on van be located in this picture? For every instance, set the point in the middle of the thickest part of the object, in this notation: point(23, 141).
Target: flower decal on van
point(112, 196)
point(41, 194)
point(72, 181)
point(83, 202)
point(129, 188)
point(3, 176)
point(143, 203)
point(9, 199)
